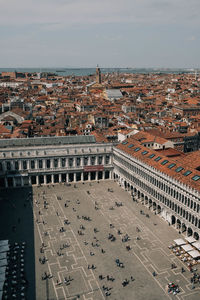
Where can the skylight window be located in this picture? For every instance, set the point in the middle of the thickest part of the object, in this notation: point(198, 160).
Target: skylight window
point(151, 156)
point(164, 162)
point(130, 146)
point(179, 169)
point(124, 143)
point(137, 149)
point(158, 158)
point(196, 177)
point(171, 166)
point(144, 152)
point(187, 173)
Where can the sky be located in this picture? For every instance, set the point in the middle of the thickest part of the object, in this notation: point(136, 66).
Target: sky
point(110, 33)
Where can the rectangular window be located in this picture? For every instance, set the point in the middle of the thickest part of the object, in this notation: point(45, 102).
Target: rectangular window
point(107, 160)
point(55, 163)
point(16, 165)
point(124, 143)
point(151, 156)
point(144, 152)
point(196, 177)
point(179, 169)
point(100, 158)
point(40, 164)
point(8, 166)
point(78, 161)
point(158, 158)
point(48, 163)
point(130, 146)
point(32, 164)
point(63, 162)
point(71, 162)
point(137, 149)
point(85, 161)
point(164, 162)
point(24, 165)
point(171, 166)
point(187, 173)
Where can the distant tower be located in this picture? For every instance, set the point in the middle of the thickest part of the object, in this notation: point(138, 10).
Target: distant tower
point(195, 75)
point(98, 75)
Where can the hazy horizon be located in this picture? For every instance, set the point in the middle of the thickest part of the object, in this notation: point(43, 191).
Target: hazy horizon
point(111, 33)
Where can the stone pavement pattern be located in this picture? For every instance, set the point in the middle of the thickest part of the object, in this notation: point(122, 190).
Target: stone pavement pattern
point(149, 253)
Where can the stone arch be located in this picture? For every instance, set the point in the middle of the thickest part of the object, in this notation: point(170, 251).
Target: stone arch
point(158, 209)
point(154, 205)
point(184, 228)
point(150, 203)
point(125, 184)
point(189, 231)
point(173, 220)
point(193, 219)
point(178, 222)
point(196, 235)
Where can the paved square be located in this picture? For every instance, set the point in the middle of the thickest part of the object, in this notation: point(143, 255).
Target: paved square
point(74, 229)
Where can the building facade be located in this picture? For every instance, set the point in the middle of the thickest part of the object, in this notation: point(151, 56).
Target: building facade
point(176, 202)
point(26, 162)
point(168, 188)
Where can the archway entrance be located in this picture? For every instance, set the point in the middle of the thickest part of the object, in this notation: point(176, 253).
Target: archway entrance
point(173, 220)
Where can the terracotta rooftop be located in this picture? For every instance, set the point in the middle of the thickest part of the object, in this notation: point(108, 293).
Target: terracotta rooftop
point(179, 168)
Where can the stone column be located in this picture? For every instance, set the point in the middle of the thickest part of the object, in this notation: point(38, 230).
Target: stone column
point(89, 176)
point(6, 182)
point(103, 175)
point(22, 181)
point(28, 164)
point(67, 177)
point(45, 179)
point(20, 164)
point(37, 164)
point(51, 163)
point(96, 175)
point(14, 182)
point(37, 180)
point(60, 178)
point(74, 177)
point(81, 176)
point(29, 180)
point(52, 178)
point(59, 162)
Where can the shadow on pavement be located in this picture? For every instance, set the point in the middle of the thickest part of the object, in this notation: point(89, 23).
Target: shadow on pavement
point(17, 226)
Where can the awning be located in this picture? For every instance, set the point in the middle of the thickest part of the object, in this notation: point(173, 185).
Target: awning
point(196, 245)
point(2, 270)
point(180, 242)
point(3, 255)
point(194, 253)
point(3, 243)
point(190, 239)
point(187, 248)
point(1, 288)
point(4, 248)
point(2, 277)
point(3, 262)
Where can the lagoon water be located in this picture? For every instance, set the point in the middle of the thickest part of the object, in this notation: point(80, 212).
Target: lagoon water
point(90, 71)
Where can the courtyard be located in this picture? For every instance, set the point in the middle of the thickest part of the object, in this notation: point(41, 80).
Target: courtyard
point(90, 241)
